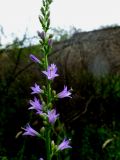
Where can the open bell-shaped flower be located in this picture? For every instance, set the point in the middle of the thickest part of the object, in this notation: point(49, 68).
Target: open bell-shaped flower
point(36, 105)
point(64, 145)
point(51, 72)
point(29, 131)
point(36, 89)
point(52, 116)
point(64, 93)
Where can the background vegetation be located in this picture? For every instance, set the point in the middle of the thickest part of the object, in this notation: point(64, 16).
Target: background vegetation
point(95, 131)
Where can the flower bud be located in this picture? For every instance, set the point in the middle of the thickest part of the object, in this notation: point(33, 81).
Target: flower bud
point(43, 87)
point(52, 143)
point(50, 36)
point(43, 102)
point(48, 23)
point(54, 92)
point(48, 14)
point(41, 34)
point(49, 105)
point(53, 146)
point(50, 42)
point(45, 123)
point(35, 59)
point(42, 130)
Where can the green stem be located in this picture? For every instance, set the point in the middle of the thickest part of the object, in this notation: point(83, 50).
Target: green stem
point(48, 143)
point(48, 82)
point(49, 92)
point(48, 129)
point(46, 62)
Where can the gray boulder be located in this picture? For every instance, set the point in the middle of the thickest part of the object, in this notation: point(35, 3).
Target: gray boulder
point(96, 52)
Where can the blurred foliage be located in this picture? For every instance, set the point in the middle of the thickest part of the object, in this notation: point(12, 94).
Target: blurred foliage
point(114, 26)
point(61, 34)
point(93, 140)
point(15, 82)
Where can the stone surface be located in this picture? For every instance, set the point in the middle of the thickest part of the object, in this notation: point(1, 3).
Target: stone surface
point(96, 52)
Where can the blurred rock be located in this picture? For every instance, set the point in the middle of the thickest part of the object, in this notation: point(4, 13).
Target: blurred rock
point(96, 52)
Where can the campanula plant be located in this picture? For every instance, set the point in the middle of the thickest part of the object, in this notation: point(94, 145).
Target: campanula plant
point(44, 105)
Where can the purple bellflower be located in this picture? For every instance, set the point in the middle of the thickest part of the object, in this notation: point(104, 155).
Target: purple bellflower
point(36, 89)
point(34, 59)
point(64, 93)
point(64, 145)
point(51, 72)
point(52, 116)
point(29, 131)
point(36, 105)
